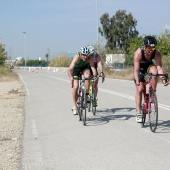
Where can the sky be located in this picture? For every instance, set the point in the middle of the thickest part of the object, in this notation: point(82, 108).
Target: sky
point(32, 28)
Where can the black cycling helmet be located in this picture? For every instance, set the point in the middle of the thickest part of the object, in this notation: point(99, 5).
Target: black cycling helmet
point(150, 41)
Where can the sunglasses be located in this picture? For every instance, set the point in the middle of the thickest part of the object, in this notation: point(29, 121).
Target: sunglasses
point(83, 55)
point(150, 48)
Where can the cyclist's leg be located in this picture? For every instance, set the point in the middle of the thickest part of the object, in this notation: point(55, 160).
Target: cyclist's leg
point(75, 75)
point(138, 98)
point(75, 92)
point(152, 69)
point(87, 74)
point(138, 95)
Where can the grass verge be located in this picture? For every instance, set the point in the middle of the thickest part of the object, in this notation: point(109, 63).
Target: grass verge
point(126, 74)
point(7, 74)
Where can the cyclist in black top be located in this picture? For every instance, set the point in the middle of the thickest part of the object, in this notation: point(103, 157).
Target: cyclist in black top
point(143, 57)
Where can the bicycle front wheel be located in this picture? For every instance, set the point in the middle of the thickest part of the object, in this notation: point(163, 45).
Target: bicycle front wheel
point(83, 107)
point(153, 112)
point(79, 105)
point(89, 105)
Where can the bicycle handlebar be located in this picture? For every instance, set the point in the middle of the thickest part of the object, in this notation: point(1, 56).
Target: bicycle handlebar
point(83, 79)
point(151, 75)
point(91, 78)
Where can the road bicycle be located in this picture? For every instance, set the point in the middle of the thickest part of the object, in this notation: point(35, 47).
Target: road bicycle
point(92, 93)
point(82, 99)
point(150, 102)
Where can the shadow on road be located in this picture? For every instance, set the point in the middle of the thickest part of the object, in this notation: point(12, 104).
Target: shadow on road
point(163, 126)
point(104, 116)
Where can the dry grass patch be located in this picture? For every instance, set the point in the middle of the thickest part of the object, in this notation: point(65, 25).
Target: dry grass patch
point(126, 74)
point(7, 74)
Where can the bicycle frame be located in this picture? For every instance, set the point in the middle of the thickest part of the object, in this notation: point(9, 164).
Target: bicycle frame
point(82, 99)
point(147, 95)
point(92, 105)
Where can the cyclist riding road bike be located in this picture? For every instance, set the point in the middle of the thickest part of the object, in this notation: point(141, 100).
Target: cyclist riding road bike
point(143, 63)
point(97, 64)
point(81, 63)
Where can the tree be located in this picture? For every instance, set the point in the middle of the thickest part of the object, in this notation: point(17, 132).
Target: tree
point(164, 47)
point(3, 55)
point(164, 43)
point(134, 44)
point(118, 30)
point(47, 55)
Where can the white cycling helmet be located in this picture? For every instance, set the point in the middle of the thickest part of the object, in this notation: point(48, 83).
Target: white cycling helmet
point(91, 49)
point(85, 50)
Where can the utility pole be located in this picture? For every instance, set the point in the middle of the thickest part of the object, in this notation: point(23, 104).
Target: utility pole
point(97, 23)
point(25, 49)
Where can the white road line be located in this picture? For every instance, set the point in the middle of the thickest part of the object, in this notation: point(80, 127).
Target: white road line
point(36, 155)
point(59, 79)
point(132, 98)
point(118, 94)
point(38, 162)
point(27, 92)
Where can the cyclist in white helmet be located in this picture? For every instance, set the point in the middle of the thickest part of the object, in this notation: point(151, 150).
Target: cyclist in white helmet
point(80, 64)
point(97, 64)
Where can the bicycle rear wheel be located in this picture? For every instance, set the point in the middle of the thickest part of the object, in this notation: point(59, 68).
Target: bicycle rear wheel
point(143, 115)
point(83, 107)
point(153, 112)
point(90, 95)
point(94, 101)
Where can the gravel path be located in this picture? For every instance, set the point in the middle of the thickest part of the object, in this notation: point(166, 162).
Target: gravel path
point(11, 124)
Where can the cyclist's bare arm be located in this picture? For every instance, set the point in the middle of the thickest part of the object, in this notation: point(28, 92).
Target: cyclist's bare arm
point(137, 58)
point(99, 63)
point(158, 61)
point(70, 69)
point(92, 66)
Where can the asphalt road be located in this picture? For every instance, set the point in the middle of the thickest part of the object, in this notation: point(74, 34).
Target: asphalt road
point(54, 139)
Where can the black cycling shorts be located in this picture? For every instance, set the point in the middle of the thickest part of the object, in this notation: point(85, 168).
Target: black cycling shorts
point(144, 68)
point(77, 72)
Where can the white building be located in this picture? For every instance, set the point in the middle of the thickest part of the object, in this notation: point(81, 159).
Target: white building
point(115, 61)
point(115, 58)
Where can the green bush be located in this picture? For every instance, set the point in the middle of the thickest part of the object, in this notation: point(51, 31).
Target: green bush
point(166, 64)
point(3, 55)
point(60, 61)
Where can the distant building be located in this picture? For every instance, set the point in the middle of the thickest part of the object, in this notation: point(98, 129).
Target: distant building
point(19, 58)
point(115, 60)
